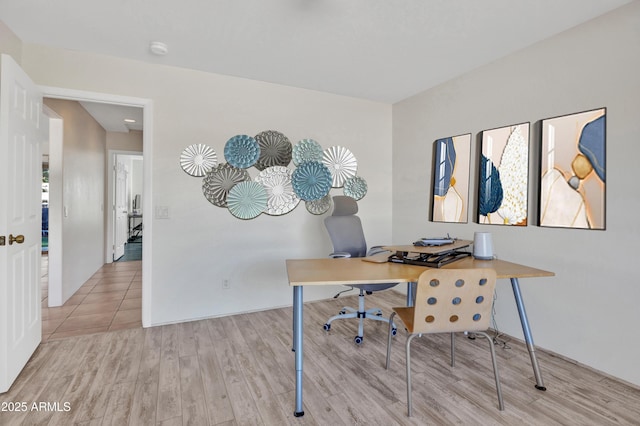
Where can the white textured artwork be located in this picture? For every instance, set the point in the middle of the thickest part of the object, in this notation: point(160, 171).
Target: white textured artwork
point(514, 169)
point(504, 176)
point(281, 197)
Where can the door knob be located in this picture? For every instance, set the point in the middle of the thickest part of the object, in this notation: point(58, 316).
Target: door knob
point(17, 239)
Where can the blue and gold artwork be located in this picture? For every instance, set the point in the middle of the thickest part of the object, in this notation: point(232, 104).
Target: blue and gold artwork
point(451, 179)
point(573, 171)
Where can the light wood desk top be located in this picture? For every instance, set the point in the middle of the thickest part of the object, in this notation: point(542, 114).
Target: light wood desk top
point(503, 268)
point(348, 271)
point(327, 271)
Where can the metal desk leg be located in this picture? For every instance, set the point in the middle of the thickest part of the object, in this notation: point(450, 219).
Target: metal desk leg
point(293, 323)
point(297, 346)
point(528, 337)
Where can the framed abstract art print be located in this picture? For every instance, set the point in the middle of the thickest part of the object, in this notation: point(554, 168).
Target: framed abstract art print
point(450, 195)
point(504, 176)
point(572, 171)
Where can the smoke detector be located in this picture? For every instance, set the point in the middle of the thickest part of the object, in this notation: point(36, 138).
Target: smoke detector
point(158, 48)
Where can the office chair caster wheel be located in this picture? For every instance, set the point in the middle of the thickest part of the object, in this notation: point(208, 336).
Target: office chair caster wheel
point(394, 331)
point(357, 340)
point(327, 327)
point(342, 312)
point(378, 314)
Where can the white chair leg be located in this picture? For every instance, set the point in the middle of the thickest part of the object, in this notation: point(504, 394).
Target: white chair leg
point(453, 350)
point(408, 349)
point(393, 314)
point(495, 369)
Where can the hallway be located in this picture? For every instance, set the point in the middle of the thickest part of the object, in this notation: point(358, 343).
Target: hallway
point(110, 300)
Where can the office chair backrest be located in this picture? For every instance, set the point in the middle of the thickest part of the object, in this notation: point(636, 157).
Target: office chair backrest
point(454, 300)
point(345, 228)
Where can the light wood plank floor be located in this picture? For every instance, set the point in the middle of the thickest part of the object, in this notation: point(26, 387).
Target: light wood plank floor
point(238, 370)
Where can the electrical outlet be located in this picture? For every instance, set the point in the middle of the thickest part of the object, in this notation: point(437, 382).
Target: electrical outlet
point(225, 284)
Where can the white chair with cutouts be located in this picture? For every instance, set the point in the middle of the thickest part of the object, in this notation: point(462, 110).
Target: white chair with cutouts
point(449, 301)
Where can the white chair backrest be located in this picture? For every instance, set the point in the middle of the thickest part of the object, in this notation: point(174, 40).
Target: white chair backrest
point(454, 300)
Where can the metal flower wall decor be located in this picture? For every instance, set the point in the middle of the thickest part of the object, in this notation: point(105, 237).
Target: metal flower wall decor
point(276, 188)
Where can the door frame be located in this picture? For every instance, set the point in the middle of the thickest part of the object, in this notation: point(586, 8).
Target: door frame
point(56, 123)
point(147, 200)
point(112, 153)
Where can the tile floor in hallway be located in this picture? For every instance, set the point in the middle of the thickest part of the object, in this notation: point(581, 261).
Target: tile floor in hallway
point(110, 300)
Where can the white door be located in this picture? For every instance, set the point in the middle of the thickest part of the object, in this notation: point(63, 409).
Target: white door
point(21, 131)
point(121, 209)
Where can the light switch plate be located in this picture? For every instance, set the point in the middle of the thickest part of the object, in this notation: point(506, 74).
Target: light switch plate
point(162, 212)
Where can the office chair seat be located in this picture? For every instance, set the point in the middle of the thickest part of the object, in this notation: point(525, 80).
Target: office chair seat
point(347, 236)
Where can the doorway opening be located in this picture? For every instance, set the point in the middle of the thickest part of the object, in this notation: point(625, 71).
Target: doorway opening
point(127, 220)
point(144, 277)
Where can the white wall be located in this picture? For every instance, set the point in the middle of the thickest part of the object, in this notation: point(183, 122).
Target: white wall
point(589, 310)
point(10, 43)
point(82, 178)
point(200, 244)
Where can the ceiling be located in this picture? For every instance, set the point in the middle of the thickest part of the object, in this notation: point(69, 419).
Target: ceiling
point(381, 50)
point(112, 117)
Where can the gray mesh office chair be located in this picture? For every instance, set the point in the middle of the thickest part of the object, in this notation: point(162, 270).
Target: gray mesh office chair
point(347, 237)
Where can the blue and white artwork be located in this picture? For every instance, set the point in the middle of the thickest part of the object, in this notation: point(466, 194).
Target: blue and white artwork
point(504, 176)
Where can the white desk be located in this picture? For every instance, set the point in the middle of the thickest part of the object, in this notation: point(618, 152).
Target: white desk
point(302, 272)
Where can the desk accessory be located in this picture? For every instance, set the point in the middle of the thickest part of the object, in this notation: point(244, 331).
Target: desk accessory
point(435, 260)
point(425, 242)
point(483, 246)
point(431, 256)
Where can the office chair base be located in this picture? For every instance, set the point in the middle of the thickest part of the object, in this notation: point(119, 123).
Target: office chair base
point(373, 314)
point(361, 314)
